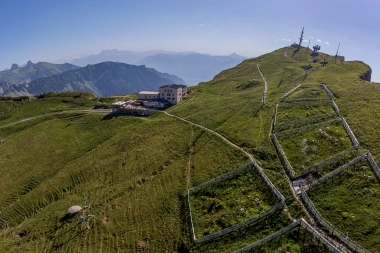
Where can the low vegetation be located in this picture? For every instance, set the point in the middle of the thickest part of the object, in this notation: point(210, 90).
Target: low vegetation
point(350, 202)
point(309, 147)
point(230, 202)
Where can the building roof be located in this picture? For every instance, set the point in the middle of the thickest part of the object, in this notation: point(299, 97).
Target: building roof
point(159, 100)
point(174, 86)
point(148, 92)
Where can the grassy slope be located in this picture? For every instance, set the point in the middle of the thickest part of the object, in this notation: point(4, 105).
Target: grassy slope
point(135, 170)
point(239, 116)
point(351, 202)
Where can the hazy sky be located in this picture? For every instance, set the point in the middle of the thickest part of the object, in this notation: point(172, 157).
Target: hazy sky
point(47, 30)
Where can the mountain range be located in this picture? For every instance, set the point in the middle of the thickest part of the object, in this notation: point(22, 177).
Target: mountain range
point(32, 71)
point(107, 78)
point(192, 67)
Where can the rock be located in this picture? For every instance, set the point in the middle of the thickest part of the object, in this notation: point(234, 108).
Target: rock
point(366, 76)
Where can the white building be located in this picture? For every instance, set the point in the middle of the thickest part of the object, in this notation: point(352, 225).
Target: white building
point(173, 93)
point(144, 95)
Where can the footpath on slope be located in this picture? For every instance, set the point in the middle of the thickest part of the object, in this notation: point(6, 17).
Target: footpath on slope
point(100, 111)
point(286, 55)
point(216, 133)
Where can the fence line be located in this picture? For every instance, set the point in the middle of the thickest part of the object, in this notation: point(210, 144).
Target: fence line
point(331, 229)
point(321, 238)
point(350, 133)
point(337, 171)
point(323, 86)
point(275, 115)
point(269, 183)
point(329, 160)
point(336, 109)
point(270, 237)
point(301, 222)
point(309, 85)
point(223, 177)
point(250, 166)
point(263, 97)
point(373, 165)
point(282, 157)
point(273, 209)
point(294, 103)
point(305, 128)
point(191, 216)
point(289, 92)
point(302, 122)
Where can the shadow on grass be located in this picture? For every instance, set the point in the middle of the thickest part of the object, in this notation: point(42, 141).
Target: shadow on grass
point(72, 232)
point(197, 138)
point(294, 52)
point(111, 116)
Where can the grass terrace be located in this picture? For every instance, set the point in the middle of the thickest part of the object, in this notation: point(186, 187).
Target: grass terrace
point(255, 232)
point(297, 240)
point(313, 145)
point(350, 201)
point(230, 202)
point(294, 112)
point(308, 92)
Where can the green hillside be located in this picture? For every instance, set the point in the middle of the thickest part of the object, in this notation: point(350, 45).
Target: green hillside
point(136, 172)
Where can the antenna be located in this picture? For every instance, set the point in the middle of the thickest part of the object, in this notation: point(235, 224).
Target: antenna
point(301, 39)
point(337, 52)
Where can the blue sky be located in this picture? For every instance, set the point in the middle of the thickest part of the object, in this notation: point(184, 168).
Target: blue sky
point(45, 30)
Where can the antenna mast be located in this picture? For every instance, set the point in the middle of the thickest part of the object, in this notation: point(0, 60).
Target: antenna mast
point(337, 51)
point(301, 39)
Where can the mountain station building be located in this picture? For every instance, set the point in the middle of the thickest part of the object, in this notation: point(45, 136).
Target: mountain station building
point(172, 93)
point(167, 95)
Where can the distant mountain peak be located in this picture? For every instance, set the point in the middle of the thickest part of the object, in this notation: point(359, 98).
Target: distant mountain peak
point(15, 66)
point(29, 63)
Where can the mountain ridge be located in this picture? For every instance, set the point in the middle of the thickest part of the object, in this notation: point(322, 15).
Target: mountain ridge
point(107, 78)
point(32, 71)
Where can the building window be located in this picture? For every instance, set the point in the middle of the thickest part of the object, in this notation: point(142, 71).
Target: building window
point(172, 98)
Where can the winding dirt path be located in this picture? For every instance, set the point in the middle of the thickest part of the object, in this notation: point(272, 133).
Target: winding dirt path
point(99, 111)
point(217, 134)
point(286, 55)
